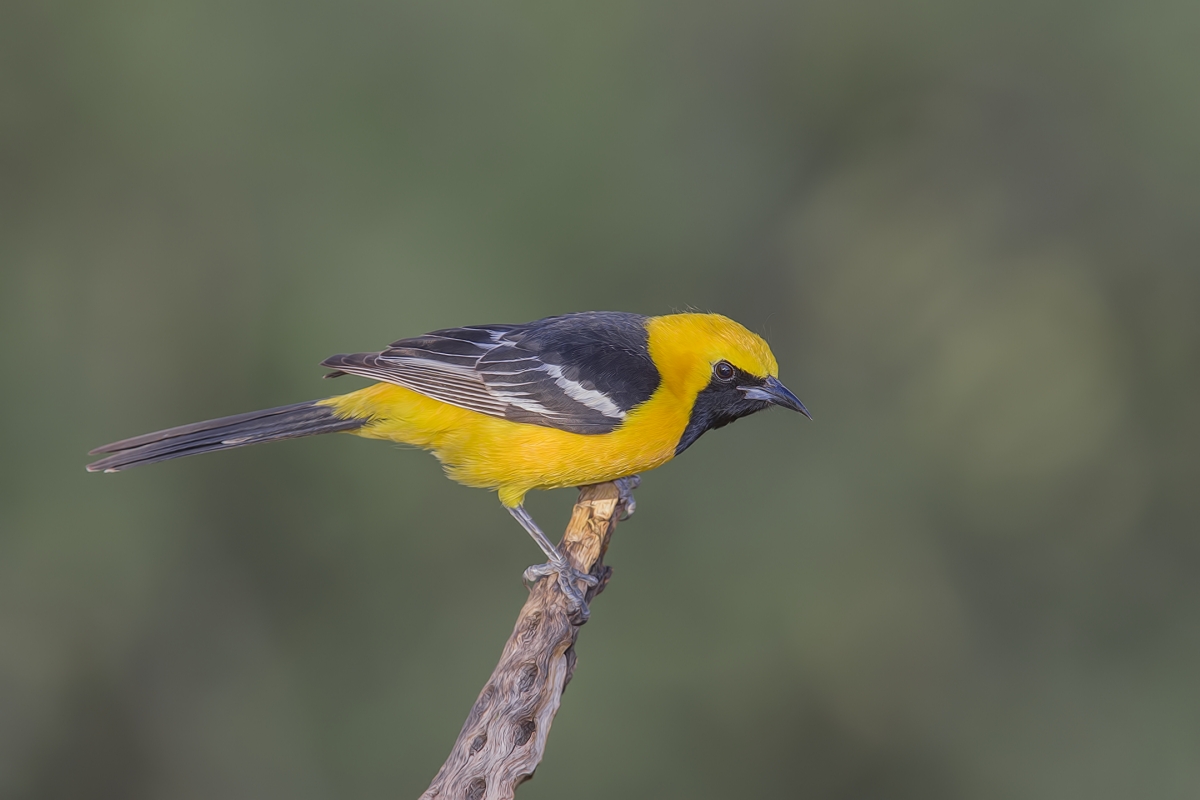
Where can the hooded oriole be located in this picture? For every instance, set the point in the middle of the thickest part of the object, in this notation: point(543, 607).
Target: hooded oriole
point(563, 401)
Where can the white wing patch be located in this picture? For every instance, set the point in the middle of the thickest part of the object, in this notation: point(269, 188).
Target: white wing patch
point(581, 394)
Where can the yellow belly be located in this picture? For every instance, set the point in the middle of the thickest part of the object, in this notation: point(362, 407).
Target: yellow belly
point(484, 451)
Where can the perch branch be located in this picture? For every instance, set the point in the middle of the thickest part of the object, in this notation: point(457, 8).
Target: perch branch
point(504, 737)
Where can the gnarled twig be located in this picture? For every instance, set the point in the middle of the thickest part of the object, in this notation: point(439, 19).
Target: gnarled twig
point(504, 737)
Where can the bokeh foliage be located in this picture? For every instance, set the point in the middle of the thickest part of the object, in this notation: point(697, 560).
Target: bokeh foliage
point(968, 229)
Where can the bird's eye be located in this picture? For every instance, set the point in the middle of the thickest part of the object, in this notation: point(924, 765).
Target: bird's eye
point(723, 370)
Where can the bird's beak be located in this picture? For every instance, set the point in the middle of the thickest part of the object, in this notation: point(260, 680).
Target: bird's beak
point(775, 393)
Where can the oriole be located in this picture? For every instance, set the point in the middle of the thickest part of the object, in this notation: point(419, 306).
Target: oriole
point(564, 401)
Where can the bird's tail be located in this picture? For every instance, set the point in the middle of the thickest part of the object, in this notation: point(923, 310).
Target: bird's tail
point(269, 425)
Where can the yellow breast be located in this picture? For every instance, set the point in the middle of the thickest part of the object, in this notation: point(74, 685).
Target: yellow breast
point(489, 452)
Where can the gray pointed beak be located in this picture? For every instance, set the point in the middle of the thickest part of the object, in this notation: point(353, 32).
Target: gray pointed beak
point(775, 393)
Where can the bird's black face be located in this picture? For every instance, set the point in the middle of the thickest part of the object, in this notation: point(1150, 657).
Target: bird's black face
point(731, 394)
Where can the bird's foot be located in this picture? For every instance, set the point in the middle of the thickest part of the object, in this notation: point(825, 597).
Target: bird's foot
point(626, 486)
point(567, 578)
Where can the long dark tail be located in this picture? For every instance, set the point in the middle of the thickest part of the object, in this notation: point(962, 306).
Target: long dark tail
point(269, 425)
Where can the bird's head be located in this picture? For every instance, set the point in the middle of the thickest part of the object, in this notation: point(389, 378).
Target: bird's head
point(726, 371)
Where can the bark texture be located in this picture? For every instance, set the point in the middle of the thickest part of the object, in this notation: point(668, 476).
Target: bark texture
point(504, 737)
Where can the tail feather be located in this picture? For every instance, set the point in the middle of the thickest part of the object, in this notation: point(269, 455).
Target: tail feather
point(268, 425)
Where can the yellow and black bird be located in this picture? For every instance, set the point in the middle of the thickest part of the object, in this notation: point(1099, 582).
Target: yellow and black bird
point(563, 401)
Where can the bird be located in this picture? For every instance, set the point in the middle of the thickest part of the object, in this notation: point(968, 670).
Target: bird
point(568, 400)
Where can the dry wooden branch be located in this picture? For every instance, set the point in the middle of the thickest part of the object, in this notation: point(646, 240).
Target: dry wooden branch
point(504, 737)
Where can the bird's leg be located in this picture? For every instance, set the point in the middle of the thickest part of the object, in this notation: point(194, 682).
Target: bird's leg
point(626, 486)
point(558, 564)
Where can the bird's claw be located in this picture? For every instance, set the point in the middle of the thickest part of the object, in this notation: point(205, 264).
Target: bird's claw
point(567, 577)
point(625, 487)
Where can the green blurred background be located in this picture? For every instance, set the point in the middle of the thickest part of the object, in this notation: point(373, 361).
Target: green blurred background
point(968, 229)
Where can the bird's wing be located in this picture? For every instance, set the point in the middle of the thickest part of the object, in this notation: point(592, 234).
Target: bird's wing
point(580, 373)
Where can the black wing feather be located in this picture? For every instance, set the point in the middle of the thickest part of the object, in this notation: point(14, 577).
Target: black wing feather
point(579, 372)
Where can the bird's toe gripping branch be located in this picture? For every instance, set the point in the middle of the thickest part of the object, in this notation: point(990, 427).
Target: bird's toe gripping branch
point(567, 578)
point(626, 486)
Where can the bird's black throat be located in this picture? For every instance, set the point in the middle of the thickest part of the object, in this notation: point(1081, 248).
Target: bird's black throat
point(718, 404)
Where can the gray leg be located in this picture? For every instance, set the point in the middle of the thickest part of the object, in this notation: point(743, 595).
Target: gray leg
point(557, 565)
point(626, 486)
